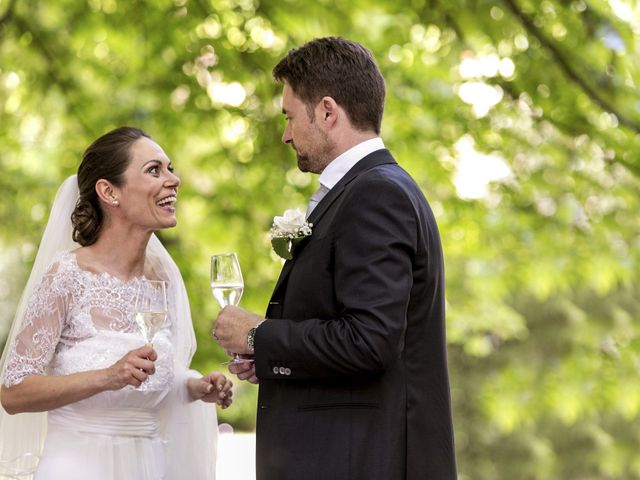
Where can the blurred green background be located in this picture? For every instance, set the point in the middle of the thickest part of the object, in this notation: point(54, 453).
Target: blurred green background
point(520, 120)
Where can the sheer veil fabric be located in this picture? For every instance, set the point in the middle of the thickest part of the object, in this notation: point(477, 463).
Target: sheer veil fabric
point(188, 428)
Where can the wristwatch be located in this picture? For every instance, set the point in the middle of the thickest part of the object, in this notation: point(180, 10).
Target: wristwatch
point(251, 337)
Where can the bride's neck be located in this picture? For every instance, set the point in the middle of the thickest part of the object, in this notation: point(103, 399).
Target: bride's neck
point(121, 254)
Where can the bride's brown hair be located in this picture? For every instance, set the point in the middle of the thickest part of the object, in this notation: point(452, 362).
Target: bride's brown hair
point(106, 158)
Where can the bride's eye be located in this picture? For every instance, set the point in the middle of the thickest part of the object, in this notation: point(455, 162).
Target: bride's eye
point(154, 170)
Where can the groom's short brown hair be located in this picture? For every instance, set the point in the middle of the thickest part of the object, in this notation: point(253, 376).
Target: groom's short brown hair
point(338, 68)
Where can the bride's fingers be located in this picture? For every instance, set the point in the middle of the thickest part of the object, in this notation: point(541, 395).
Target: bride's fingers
point(143, 364)
point(226, 403)
point(138, 375)
point(206, 388)
point(223, 384)
point(228, 385)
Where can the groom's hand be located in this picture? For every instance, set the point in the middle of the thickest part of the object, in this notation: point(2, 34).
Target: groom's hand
point(232, 327)
point(244, 371)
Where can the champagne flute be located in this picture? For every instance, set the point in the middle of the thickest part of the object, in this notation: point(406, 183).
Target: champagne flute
point(227, 284)
point(226, 279)
point(150, 310)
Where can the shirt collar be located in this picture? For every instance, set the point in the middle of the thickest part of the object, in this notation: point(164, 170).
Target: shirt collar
point(337, 169)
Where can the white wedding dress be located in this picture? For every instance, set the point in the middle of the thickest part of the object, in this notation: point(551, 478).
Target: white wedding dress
point(71, 320)
point(77, 321)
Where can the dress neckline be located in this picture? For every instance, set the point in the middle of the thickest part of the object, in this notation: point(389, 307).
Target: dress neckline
point(104, 275)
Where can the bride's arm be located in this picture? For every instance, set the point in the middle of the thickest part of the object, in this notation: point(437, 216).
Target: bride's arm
point(39, 393)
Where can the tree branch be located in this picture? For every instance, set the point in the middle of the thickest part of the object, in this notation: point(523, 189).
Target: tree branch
point(564, 65)
point(509, 89)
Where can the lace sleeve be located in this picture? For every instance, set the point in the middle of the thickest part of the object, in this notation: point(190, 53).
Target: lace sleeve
point(41, 328)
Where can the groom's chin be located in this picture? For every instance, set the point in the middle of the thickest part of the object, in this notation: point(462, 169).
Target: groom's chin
point(307, 166)
point(303, 163)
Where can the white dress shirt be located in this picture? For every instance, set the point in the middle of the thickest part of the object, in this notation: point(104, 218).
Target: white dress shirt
point(337, 169)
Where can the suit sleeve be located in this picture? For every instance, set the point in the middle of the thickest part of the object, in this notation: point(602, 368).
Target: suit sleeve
point(375, 238)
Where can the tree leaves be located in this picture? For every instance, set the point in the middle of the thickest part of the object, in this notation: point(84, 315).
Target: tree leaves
point(541, 262)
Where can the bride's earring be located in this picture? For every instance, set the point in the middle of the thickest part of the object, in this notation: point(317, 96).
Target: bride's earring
point(115, 203)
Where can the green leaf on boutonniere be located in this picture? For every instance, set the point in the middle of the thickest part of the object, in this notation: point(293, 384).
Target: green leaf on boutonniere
point(282, 246)
point(295, 241)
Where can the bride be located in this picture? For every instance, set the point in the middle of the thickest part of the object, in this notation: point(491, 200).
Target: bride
point(86, 397)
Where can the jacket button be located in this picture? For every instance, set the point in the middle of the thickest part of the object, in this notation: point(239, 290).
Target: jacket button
point(282, 370)
point(276, 370)
point(287, 371)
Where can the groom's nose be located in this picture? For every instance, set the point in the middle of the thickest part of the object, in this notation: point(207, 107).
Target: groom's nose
point(286, 136)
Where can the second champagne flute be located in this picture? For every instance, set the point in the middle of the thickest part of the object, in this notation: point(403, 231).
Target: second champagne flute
point(226, 279)
point(227, 284)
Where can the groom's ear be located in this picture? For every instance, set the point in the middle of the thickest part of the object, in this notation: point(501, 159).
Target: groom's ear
point(106, 192)
point(329, 111)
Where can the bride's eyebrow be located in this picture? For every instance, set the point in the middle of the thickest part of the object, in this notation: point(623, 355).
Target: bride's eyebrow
point(156, 161)
point(159, 162)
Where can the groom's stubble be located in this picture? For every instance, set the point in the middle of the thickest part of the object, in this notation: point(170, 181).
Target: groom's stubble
point(318, 154)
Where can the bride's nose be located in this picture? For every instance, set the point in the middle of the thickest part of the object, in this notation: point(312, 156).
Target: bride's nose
point(173, 180)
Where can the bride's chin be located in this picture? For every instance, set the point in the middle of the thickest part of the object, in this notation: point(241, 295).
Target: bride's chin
point(166, 224)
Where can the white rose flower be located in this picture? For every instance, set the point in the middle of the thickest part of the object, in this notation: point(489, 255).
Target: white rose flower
point(288, 231)
point(291, 221)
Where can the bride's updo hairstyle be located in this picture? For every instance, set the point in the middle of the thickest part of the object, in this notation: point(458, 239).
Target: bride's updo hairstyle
point(106, 158)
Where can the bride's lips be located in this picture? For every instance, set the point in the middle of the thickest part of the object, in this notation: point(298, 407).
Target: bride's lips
point(168, 203)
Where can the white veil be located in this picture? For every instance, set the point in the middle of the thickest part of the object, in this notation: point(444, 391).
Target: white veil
point(185, 423)
point(22, 436)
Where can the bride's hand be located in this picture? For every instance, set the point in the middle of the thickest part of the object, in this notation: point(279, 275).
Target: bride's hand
point(213, 387)
point(132, 369)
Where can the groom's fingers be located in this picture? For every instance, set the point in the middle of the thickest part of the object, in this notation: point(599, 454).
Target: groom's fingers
point(244, 371)
point(238, 368)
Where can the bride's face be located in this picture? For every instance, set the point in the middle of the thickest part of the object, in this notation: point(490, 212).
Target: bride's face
point(148, 196)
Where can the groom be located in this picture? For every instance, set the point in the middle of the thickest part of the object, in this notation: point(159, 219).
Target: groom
point(351, 358)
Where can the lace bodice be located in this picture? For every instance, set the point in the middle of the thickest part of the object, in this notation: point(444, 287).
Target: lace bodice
point(78, 320)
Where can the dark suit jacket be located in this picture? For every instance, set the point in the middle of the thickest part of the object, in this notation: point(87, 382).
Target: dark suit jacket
point(352, 363)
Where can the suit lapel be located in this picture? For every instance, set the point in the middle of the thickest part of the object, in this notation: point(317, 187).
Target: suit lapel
point(379, 157)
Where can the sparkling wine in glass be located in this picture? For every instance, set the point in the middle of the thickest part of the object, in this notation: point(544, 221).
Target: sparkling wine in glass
point(227, 284)
point(227, 294)
point(226, 279)
point(150, 311)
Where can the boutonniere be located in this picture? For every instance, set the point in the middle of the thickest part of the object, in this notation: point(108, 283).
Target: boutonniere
point(287, 231)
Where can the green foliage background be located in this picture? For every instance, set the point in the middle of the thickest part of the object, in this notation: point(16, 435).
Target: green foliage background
point(542, 269)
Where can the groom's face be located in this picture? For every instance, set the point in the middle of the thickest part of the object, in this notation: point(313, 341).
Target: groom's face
point(308, 140)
